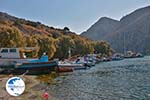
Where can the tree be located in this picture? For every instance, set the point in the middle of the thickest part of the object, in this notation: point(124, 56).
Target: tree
point(63, 44)
point(82, 47)
point(66, 30)
point(11, 37)
point(46, 44)
point(102, 47)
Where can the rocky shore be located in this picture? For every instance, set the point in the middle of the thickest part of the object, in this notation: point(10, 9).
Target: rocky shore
point(34, 88)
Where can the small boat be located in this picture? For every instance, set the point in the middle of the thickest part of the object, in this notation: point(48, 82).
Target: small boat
point(90, 60)
point(12, 62)
point(64, 69)
point(75, 66)
point(139, 55)
point(85, 61)
point(131, 54)
point(117, 57)
point(105, 59)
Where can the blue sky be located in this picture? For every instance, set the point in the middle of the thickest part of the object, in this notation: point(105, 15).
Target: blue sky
point(78, 15)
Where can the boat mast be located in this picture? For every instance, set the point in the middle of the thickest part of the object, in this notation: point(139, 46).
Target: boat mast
point(124, 48)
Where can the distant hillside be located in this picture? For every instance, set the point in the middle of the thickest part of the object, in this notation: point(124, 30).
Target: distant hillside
point(18, 32)
point(101, 28)
point(132, 32)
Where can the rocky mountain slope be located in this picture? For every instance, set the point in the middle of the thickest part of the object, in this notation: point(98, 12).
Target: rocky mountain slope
point(101, 28)
point(132, 32)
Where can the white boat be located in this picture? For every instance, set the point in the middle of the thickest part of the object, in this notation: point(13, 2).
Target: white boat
point(13, 59)
point(75, 66)
point(10, 56)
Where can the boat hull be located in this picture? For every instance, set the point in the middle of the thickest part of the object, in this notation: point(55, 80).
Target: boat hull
point(133, 57)
point(64, 69)
point(33, 68)
point(73, 66)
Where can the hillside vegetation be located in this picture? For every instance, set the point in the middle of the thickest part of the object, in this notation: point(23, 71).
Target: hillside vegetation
point(16, 32)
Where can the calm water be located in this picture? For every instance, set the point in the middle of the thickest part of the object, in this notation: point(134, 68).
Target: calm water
point(128, 79)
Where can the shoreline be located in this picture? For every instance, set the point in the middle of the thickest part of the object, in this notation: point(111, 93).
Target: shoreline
point(34, 88)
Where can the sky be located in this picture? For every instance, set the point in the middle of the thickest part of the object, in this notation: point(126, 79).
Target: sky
point(78, 15)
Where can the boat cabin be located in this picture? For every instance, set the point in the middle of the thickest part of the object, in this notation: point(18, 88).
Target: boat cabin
point(15, 52)
point(9, 53)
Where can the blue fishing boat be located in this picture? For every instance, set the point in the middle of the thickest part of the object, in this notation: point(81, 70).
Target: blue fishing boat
point(35, 68)
point(12, 62)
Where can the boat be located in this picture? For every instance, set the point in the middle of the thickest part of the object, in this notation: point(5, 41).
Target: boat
point(87, 61)
point(74, 66)
point(64, 69)
point(12, 62)
point(131, 54)
point(71, 64)
point(139, 55)
point(36, 67)
point(117, 57)
point(106, 59)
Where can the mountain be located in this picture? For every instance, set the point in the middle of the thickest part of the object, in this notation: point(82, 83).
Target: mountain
point(101, 28)
point(132, 32)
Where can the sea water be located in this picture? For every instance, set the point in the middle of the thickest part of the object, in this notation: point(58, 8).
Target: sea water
point(128, 79)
